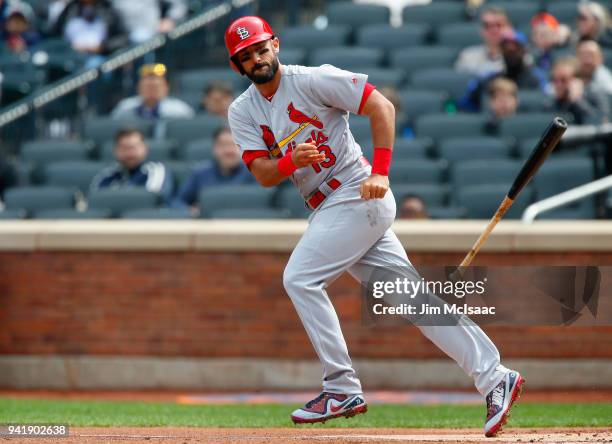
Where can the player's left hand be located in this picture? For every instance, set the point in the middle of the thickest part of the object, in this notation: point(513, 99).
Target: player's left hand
point(374, 187)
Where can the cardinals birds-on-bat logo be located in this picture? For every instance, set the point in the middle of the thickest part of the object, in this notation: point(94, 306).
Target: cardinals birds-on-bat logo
point(270, 141)
point(297, 116)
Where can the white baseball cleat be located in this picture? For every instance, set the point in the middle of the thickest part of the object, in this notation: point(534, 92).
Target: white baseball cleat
point(500, 400)
point(328, 406)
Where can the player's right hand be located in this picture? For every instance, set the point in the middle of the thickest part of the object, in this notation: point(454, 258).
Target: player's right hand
point(306, 154)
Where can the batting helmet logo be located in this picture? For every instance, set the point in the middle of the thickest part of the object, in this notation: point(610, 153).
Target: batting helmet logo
point(244, 32)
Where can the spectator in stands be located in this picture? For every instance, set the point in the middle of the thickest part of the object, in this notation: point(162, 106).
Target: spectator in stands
point(145, 18)
point(8, 175)
point(92, 27)
point(502, 102)
point(54, 10)
point(152, 101)
point(17, 34)
point(483, 59)
point(591, 69)
point(413, 207)
point(546, 34)
point(7, 5)
point(133, 169)
point(570, 96)
point(516, 68)
point(593, 23)
point(217, 98)
point(226, 168)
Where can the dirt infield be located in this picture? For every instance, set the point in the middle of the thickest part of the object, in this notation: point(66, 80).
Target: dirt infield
point(172, 435)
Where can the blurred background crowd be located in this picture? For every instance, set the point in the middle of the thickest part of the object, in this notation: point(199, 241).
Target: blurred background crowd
point(474, 84)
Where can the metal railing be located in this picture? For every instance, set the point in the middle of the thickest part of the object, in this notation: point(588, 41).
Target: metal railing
point(72, 83)
point(569, 196)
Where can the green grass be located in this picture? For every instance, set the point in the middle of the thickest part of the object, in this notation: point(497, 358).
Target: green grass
point(98, 413)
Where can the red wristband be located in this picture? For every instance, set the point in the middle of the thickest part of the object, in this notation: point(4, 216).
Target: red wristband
point(382, 161)
point(285, 165)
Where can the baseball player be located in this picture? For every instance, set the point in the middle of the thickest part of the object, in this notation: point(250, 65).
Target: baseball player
point(293, 123)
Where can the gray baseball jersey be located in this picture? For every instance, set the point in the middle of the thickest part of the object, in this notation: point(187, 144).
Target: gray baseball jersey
point(312, 104)
point(346, 233)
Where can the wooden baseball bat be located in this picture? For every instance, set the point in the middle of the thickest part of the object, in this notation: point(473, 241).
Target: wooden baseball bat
point(546, 144)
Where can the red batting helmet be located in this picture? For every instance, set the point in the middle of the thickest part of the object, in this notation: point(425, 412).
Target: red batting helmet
point(244, 32)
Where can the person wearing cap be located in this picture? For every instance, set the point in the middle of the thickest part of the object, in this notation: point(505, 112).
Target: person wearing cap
point(546, 35)
point(593, 23)
point(17, 35)
point(516, 68)
point(152, 101)
point(487, 57)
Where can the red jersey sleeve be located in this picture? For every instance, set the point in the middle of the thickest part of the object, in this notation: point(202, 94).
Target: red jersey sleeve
point(367, 90)
point(250, 155)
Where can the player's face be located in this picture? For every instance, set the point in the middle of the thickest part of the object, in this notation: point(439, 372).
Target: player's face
point(131, 151)
point(260, 61)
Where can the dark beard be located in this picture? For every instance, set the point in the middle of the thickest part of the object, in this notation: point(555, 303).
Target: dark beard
point(264, 78)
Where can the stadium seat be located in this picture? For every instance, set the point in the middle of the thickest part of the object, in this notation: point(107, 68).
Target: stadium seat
point(157, 213)
point(102, 129)
point(459, 35)
point(531, 100)
point(290, 199)
point(200, 127)
point(251, 213)
point(227, 197)
point(309, 38)
point(484, 172)
point(407, 149)
point(118, 200)
point(443, 126)
point(45, 151)
point(441, 79)
point(520, 13)
point(197, 150)
point(33, 199)
point(417, 58)
point(290, 56)
point(434, 13)
point(356, 15)
point(416, 102)
point(566, 12)
point(73, 173)
point(12, 214)
point(160, 150)
point(417, 171)
point(481, 202)
point(526, 125)
point(181, 170)
point(434, 195)
point(446, 212)
point(25, 173)
point(196, 80)
point(385, 77)
point(388, 37)
point(72, 214)
point(347, 57)
point(526, 146)
point(473, 147)
point(360, 128)
point(561, 174)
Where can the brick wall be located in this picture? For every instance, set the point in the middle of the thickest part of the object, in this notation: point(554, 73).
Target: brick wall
point(224, 305)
